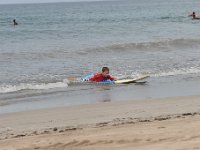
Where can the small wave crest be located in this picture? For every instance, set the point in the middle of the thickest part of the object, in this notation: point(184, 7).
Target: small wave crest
point(162, 73)
point(151, 45)
point(32, 86)
point(169, 43)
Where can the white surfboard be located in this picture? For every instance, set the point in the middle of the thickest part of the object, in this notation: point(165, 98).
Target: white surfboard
point(134, 80)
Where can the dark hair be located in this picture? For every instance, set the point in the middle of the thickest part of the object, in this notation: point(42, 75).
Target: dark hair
point(105, 69)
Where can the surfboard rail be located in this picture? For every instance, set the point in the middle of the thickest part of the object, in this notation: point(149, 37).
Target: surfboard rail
point(133, 80)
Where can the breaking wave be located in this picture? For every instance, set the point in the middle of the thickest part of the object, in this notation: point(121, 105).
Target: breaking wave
point(32, 86)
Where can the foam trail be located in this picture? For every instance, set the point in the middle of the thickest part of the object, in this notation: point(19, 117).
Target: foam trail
point(172, 72)
point(31, 86)
point(181, 71)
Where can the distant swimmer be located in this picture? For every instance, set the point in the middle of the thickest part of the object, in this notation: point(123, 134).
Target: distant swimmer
point(194, 16)
point(14, 22)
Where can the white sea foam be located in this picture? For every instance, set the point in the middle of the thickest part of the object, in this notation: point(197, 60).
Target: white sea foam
point(32, 86)
point(65, 82)
point(172, 72)
point(181, 71)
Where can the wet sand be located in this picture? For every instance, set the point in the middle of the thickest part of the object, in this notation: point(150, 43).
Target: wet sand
point(170, 123)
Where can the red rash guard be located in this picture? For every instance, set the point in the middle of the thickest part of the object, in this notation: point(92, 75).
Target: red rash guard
point(99, 78)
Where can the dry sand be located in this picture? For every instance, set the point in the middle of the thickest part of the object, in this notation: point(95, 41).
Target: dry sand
point(170, 123)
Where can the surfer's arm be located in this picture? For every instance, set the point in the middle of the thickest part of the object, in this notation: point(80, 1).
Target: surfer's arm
point(112, 78)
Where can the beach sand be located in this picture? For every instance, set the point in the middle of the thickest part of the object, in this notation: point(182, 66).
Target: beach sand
point(169, 123)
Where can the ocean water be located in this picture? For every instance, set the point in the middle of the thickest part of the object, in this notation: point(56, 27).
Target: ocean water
point(59, 40)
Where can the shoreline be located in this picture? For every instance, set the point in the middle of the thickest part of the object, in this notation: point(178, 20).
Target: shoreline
point(81, 95)
point(64, 121)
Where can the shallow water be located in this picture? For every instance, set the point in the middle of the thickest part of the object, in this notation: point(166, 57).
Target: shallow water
point(56, 41)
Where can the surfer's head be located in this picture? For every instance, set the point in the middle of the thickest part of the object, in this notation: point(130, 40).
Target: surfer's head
point(105, 71)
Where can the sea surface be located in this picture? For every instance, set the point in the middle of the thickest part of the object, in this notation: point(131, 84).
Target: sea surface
point(56, 41)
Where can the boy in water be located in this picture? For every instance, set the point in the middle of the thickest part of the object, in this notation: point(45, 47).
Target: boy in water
point(103, 76)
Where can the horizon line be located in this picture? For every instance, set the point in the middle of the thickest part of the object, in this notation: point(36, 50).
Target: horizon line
point(55, 2)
